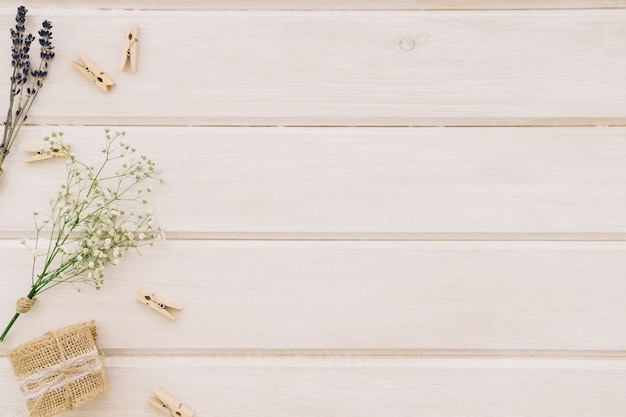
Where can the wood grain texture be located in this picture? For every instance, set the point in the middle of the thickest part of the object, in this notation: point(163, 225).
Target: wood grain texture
point(339, 68)
point(346, 211)
point(341, 183)
point(391, 297)
point(282, 387)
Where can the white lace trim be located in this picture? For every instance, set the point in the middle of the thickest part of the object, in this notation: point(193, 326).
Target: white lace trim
point(36, 381)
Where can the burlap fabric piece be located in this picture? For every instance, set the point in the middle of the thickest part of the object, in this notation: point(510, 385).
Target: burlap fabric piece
point(60, 370)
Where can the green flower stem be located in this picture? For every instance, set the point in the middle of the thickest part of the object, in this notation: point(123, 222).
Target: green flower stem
point(86, 230)
point(4, 334)
point(9, 327)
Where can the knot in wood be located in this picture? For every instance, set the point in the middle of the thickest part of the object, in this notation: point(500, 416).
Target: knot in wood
point(407, 44)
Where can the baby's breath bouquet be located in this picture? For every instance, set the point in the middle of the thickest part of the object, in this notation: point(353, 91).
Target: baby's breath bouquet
point(93, 220)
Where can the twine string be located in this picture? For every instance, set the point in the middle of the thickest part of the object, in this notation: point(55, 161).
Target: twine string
point(77, 366)
point(24, 304)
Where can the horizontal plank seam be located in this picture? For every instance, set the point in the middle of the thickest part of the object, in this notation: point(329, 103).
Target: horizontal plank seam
point(329, 127)
point(337, 126)
point(365, 10)
point(382, 353)
point(373, 353)
point(285, 237)
point(71, 10)
point(346, 9)
point(369, 360)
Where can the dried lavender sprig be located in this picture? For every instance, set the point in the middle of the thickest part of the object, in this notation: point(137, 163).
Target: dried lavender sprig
point(25, 82)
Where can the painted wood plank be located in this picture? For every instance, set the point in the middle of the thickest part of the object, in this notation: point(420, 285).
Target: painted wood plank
point(276, 387)
point(339, 68)
point(389, 297)
point(344, 183)
point(333, 4)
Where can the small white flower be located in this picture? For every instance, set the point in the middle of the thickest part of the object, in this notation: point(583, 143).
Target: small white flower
point(107, 233)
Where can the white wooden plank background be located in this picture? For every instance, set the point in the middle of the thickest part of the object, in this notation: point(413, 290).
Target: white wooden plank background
point(345, 183)
point(341, 68)
point(371, 296)
point(355, 386)
point(375, 208)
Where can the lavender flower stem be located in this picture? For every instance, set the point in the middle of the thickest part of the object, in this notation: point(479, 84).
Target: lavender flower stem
point(25, 82)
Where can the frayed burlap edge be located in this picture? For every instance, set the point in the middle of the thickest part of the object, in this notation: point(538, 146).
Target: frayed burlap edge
point(54, 349)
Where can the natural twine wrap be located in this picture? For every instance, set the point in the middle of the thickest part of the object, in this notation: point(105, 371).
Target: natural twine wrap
point(60, 370)
point(24, 304)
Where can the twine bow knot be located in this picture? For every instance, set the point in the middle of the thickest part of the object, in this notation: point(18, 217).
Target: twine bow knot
point(75, 367)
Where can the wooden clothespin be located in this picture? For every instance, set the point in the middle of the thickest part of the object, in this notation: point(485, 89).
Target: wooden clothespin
point(93, 73)
point(157, 303)
point(169, 405)
point(130, 48)
point(42, 153)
